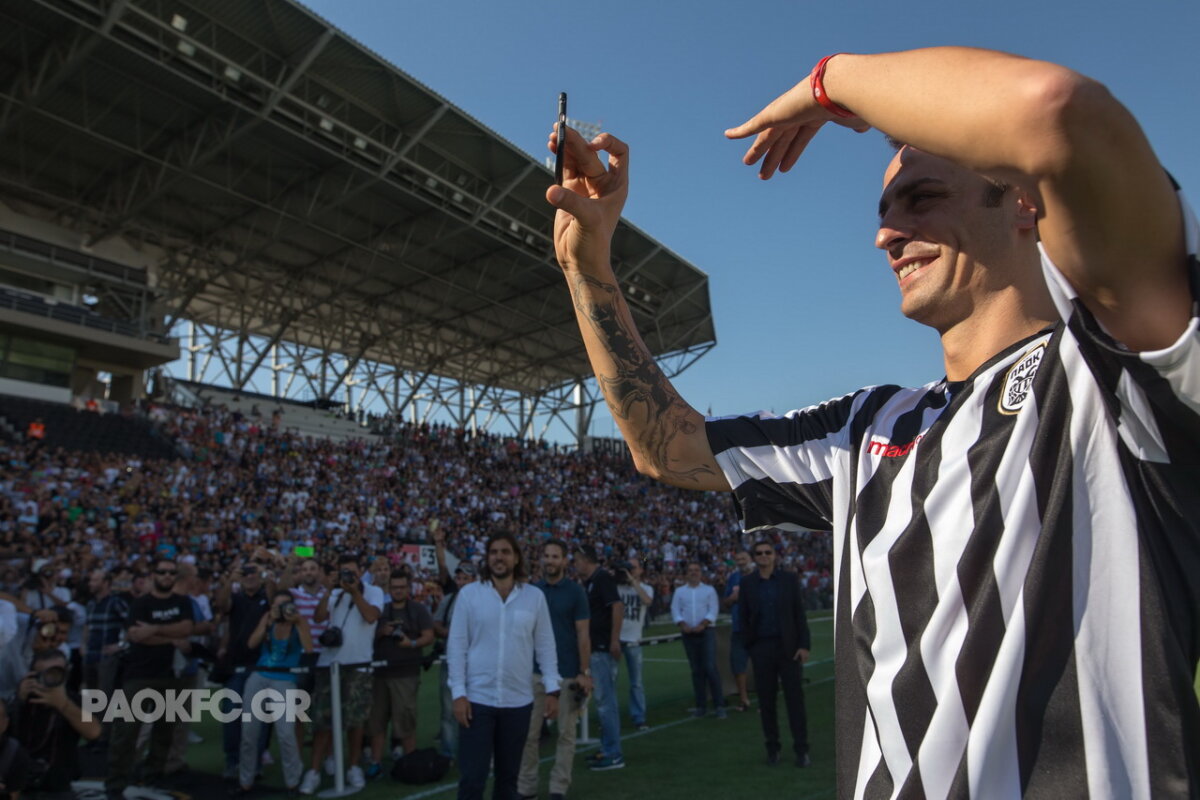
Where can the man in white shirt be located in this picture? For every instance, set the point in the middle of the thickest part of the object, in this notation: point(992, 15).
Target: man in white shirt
point(694, 609)
point(636, 596)
point(353, 607)
point(499, 625)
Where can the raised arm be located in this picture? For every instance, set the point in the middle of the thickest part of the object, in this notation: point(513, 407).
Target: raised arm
point(665, 435)
point(1108, 216)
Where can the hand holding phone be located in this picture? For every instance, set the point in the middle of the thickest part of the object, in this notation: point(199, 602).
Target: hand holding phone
point(560, 130)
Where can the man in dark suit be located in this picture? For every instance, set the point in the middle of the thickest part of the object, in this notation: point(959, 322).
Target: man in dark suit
point(775, 629)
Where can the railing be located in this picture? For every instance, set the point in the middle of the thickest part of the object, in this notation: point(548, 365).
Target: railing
point(75, 315)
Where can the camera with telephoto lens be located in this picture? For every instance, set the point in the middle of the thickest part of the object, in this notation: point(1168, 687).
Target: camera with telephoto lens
point(623, 571)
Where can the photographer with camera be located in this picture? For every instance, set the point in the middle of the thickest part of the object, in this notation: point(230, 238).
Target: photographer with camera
point(569, 616)
point(48, 722)
point(280, 639)
point(405, 628)
point(636, 597)
point(352, 609)
point(42, 630)
point(157, 622)
point(243, 607)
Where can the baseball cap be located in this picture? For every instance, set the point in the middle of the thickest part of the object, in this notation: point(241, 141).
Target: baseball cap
point(467, 568)
point(40, 564)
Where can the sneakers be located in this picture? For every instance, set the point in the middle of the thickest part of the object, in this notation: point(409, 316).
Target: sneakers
point(354, 777)
point(700, 713)
point(330, 766)
point(397, 753)
point(266, 758)
point(773, 758)
point(606, 763)
point(374, 770)
point(803, 761)
point(722, 713)
point(312, 780)
point(641, 726)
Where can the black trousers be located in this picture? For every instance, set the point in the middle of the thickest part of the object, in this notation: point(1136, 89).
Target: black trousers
point(494, 732)
point(772, 667)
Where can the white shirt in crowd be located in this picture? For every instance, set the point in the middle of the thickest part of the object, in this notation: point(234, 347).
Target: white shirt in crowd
point(492, 645)
point(693, 605)
point(358, 635)
point(635, 612)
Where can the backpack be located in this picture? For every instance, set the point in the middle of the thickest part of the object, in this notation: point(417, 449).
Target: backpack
point(421, 766)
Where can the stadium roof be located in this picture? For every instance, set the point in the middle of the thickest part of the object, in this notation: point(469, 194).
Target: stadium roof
point(292, 185)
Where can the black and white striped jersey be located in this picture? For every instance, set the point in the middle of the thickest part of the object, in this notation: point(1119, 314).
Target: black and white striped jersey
point(1017, 564)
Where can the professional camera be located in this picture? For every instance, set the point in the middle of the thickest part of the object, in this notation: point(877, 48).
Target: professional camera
point(331, 637)
point(287, 610)
point(621, 571)
point(51, 677)
point(347, 576)
point(48, 630)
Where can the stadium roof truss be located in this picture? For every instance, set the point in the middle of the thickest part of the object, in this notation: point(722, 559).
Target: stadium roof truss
point(314, 219)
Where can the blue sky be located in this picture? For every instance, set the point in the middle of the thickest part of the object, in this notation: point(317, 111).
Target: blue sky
point(805, 308)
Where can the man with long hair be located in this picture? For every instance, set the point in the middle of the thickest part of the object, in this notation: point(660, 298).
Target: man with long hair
point(499, 625)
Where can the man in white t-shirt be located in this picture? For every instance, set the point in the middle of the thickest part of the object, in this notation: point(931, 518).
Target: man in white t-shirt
point(352, 607)
point(637, 597)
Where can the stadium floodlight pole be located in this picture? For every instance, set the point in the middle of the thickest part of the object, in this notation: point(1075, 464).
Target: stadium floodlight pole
point(340, 789)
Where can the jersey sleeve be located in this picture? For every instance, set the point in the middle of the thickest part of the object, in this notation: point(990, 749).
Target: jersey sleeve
point(782, 468)
point(1153, 395)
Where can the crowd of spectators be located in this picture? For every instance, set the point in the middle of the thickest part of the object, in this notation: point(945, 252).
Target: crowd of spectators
point(79, 528)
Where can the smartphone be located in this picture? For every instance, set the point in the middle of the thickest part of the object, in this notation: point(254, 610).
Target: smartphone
point(303, 552)
point(560, 129)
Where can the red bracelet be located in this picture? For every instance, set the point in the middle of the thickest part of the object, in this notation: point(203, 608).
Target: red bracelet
point(817, 80)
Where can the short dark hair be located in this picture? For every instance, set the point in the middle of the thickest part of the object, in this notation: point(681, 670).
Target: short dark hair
point(993, 194)
point(559, 543)
point(348, 558)
point(765, 543)
point(589, 553)
point(47, 654)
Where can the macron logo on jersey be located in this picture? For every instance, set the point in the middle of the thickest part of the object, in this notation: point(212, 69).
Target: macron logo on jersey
point(889, 450)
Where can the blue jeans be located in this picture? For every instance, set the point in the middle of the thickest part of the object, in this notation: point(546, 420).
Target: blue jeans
point(498, 732)
point(448, 742)
point(604, 684)
point(701, 649)
point(637, 690)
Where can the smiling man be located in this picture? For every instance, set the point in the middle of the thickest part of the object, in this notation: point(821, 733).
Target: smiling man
point(1017, 600)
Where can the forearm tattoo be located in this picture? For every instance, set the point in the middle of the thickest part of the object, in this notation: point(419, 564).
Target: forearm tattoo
point(638, 386)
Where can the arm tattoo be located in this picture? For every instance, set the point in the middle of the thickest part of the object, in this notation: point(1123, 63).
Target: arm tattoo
point(638, 387)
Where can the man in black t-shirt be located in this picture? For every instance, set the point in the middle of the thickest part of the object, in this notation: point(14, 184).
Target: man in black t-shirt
point(159, 622)
point(608, 612)
point(245, 608)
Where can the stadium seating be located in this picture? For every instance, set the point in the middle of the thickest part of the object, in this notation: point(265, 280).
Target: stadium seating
point(299, 417)
point(73, 429)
